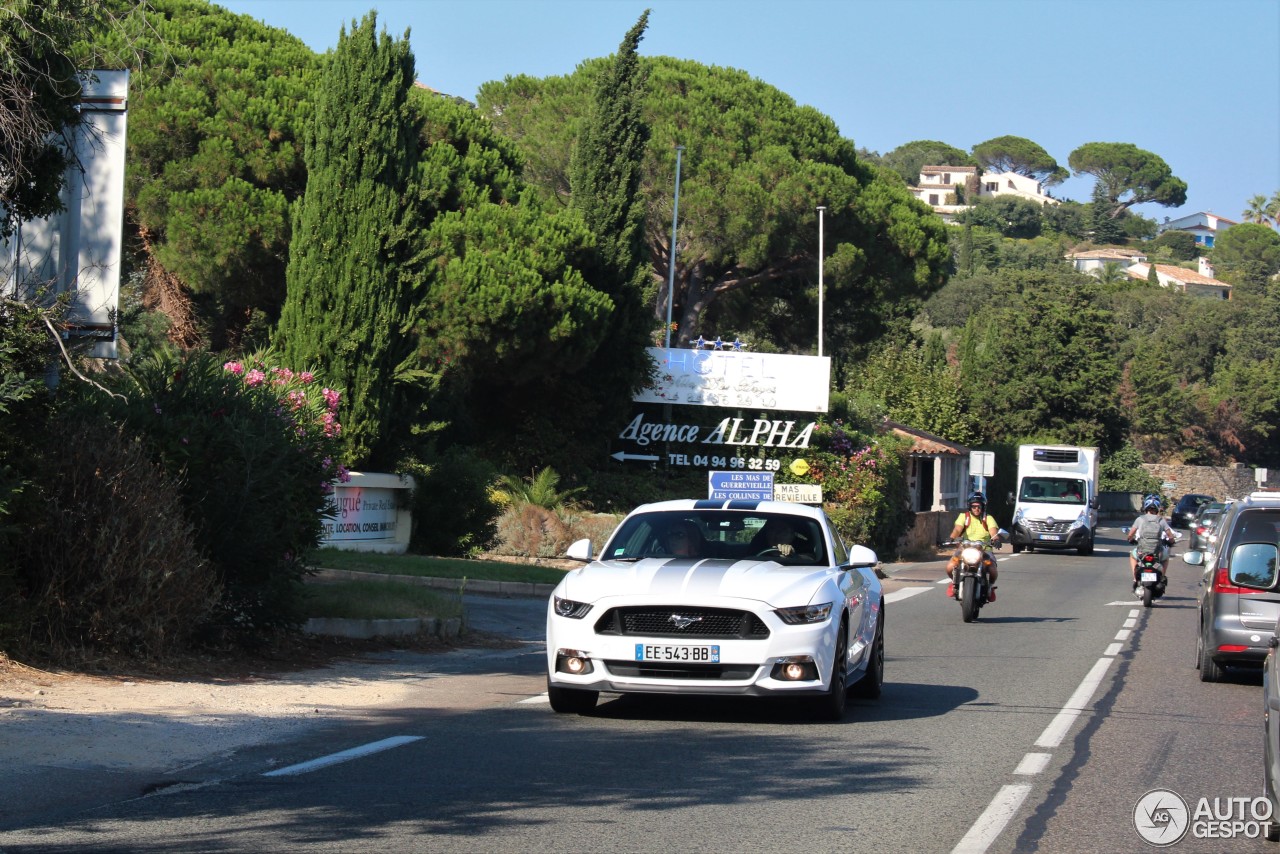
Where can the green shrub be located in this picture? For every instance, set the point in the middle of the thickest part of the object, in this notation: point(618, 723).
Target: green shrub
point(453, 513)
point(109, 562)
point(256, 447)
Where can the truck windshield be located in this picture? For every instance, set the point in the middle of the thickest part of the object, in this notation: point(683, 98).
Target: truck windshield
point(1052, 490)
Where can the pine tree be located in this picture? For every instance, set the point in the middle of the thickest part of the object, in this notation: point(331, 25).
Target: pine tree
point(605, 175)
point(346, 303)
point(1105, 229)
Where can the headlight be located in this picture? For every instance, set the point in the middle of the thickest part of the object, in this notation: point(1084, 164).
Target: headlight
point(804, 614)
point(971, 554)
point(1019, 516)
point(571, 609)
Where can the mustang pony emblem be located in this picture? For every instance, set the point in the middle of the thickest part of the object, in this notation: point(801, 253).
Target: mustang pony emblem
point(682, 622)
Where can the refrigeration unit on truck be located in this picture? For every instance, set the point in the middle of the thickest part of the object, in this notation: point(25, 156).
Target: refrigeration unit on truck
point(1056, 505)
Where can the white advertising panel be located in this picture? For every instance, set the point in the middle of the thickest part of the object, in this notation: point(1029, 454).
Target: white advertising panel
point(78, 250)
point(729, 378)
point(362, 513)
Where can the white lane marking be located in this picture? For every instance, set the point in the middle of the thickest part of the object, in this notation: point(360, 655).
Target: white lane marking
point(1126, 603)
point(1130, 623)
point(1114, 649)
point(1033, 763)
point(943, 581)
point(904, 593)
point(1123, 634)
point(343, 756)
point(541, 698)
point(1135, 612)
point(1056, 731)
point(993, 820)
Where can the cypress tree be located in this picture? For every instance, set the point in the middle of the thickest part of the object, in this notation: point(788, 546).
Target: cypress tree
point(605, 174)
point(346, 302)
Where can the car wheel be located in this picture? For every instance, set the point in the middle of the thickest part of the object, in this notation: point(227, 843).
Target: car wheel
point(1210, 670)
point(1087, 548)
point(570, 701)
point(832, 704)
point(1017, 549)
point(869, 686)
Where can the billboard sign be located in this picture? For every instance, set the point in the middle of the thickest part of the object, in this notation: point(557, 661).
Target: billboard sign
point(736, 379)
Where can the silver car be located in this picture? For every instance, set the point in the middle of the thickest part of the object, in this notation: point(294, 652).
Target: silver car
point(1271, 736)
point(1240, 590)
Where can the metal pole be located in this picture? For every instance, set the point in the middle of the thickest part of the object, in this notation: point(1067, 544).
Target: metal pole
point(820, 254)
point(671, 258)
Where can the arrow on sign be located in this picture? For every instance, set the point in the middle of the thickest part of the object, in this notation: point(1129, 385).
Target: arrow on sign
point(620, 457)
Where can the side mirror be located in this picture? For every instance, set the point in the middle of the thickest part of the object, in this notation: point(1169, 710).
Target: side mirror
point(1193, 558)
point(1253, 565)
point(862, 556)
point(1125, 530)
point(1093, 502)
point(580, 550)
point(1010, 497)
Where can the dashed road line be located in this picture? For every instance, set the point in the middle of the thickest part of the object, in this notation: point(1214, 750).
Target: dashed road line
point(343, 756)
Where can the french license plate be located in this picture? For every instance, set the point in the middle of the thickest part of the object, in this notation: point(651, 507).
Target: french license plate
point(655, 652)
point(1150, 576)
point(1053, 537)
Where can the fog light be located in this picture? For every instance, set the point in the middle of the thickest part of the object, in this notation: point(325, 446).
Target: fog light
point(573, 661)
point(796, 668)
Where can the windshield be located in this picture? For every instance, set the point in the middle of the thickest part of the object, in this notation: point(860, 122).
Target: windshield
point(719, 534)
point(1052, 490)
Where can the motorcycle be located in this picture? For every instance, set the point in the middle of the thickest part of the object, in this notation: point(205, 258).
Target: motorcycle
point(1152, 581)
point(972, 576)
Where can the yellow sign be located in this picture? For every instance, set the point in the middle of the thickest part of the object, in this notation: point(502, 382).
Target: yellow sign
point(799, 467)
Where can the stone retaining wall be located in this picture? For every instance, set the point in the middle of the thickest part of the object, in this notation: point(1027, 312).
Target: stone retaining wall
point(1219, 481)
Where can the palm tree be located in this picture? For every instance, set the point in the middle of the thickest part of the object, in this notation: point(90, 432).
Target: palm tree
point(1257, 211)
point(1273, 208)
point(543, 489)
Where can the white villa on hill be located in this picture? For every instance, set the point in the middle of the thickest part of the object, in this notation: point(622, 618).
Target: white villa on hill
point(1135, 265)
point(938, 184)
point(1203, 226)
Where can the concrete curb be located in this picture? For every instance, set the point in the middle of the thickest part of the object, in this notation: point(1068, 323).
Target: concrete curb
point(510, 589)
point(444, 629)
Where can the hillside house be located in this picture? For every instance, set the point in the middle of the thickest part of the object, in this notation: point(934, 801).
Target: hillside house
point(1196, 283)
point(938, 188)
point(1203, 226)
point(1094, 261)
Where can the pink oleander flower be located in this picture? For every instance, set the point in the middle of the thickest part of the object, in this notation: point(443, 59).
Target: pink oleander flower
point(254, 377)
point(234, 367)
point(306, 377)
point(344, 474)
point(331, 398)
point(297, 399)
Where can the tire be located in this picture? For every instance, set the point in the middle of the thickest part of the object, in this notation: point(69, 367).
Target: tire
point(1086, 549)
point(969, 598)
point(571, 701)
point(1146, 597)
point(831, 705)
point(872, 681)
point(1017, 549)
point(1210, 670)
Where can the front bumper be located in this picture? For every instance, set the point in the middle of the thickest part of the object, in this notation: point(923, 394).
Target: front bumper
point(1041, 536)
point(746, 667)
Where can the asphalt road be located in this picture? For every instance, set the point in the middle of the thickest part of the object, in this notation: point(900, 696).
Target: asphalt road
point(1038, 728)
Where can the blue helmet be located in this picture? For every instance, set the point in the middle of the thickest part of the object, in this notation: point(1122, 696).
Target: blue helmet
point(1150, 503)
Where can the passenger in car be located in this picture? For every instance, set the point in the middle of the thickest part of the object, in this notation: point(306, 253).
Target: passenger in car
point(683, 539)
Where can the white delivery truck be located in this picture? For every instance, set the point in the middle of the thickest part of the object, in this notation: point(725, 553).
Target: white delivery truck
point(1056, 505)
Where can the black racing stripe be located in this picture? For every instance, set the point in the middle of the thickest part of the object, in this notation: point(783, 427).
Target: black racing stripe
point(707, 504)
point(742, 505)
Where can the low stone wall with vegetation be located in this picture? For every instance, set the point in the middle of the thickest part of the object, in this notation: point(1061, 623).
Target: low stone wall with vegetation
point(1219, 481)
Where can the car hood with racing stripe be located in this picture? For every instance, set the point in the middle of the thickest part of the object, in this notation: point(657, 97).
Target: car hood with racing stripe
point(693, 579)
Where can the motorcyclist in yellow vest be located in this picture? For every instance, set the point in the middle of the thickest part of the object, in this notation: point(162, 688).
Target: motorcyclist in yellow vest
point(975, 524)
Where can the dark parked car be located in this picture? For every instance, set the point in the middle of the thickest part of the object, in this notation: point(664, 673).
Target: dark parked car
point(1271, 735)
point(1203, 537)
point(1240, 589)
point(1184, 512)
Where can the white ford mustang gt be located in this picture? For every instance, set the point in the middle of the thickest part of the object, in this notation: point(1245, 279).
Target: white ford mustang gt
point(756, 598)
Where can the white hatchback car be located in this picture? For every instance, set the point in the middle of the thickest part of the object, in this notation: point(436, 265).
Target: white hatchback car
point(757, 598)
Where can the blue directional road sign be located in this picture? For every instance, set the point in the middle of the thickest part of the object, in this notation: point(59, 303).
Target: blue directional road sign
point(740, 485)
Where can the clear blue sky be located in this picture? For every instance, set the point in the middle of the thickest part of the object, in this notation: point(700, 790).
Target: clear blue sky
point(1195, 82)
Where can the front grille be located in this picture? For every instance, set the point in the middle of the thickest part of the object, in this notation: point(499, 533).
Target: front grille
point(674, 670)
point(1036, 526)
point(1063, 456)
point(707, 623)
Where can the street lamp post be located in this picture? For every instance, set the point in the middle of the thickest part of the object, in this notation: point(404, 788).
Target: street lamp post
point(821, 210)
point(671, 258)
